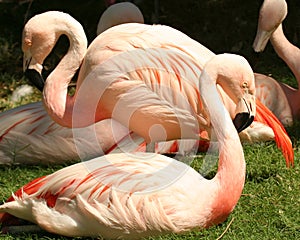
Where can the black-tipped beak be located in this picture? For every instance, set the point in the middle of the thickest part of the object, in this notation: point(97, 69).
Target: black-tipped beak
point(35, 78)
point(242, 121)
point(245, 112)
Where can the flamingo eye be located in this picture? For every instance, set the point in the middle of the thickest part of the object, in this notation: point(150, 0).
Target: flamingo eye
point(245, 87)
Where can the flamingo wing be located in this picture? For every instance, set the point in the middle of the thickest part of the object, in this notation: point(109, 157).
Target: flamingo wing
point(30, 136)
point(268, 90)
point(114, 195)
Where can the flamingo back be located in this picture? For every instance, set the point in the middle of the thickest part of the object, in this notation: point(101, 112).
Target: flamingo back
point(115, 195)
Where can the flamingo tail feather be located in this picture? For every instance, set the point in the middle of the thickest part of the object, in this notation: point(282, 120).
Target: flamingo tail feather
point(283, 141)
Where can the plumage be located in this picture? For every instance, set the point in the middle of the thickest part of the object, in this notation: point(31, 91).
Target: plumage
point(29, 136)
point(272, 14)
point(22, 142)
point(138, 84)
point(132, 196)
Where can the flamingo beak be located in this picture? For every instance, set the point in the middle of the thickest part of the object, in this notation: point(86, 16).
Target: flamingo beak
point(261, 40)
point(245, 112)
point(32, 70)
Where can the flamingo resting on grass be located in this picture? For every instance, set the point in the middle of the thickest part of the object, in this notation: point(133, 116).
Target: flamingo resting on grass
point(280, 98)
point(29, 136)
point(136, 71)
point(131, 196)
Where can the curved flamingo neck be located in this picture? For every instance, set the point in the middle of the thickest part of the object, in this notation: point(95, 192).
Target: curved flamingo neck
point(293, 97)
point(288, 52)
point(230, 177)
point(58, 103)
point(291, 56)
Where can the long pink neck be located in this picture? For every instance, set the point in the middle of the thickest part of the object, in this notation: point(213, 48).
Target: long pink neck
point(291, 56)
point(230, 177)
point(289, 53)
point(58, 103)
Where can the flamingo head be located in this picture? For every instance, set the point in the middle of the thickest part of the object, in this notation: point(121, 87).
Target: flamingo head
point(271, 15)
point(40, 35)
point(37, 43)
point(235, 77)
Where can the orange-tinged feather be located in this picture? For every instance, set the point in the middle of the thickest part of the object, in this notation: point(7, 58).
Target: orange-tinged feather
point(5, 218)
point(29, 188)
point(283, 142)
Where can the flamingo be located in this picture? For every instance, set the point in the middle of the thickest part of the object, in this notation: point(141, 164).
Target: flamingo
point(269, 91)
point(127, 88)
point(119, 13)
point(109, 56)
point(131, 196)
point(29, 136)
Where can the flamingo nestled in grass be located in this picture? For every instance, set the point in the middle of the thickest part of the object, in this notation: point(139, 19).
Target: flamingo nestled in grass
point(142, 78)
point(280, 98)
point(29, 136)
point(131, 196)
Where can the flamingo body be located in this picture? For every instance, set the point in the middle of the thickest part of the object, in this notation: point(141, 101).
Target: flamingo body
point(137, 195)
point(118, 195)
point(29, 136)
point(267, 90)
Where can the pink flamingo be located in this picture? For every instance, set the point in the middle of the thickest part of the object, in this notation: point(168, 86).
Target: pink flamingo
point(113, 42)
point(269, 91)
point(29, 136)
point(131, 196)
